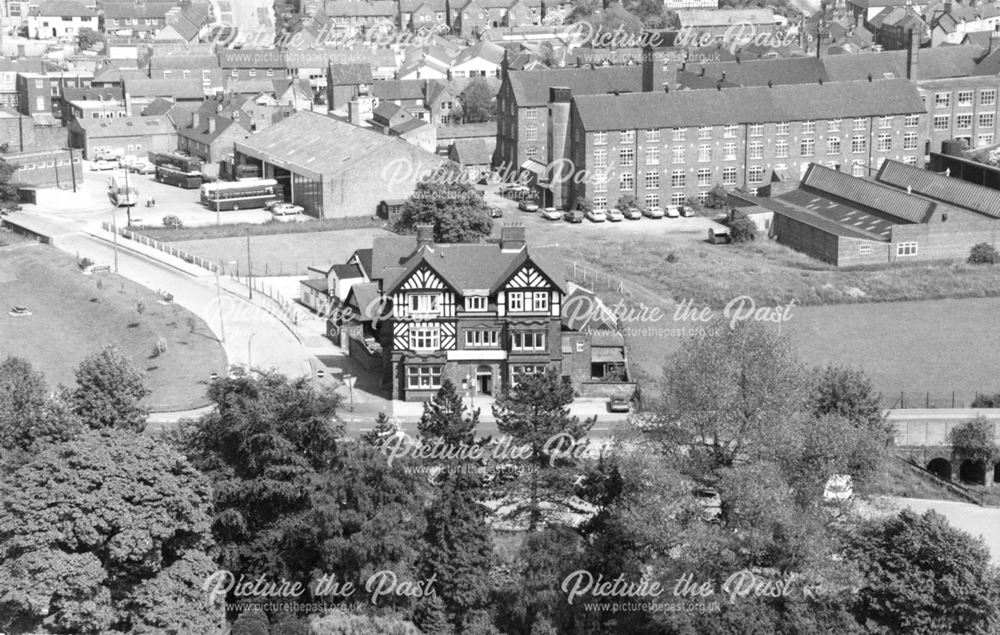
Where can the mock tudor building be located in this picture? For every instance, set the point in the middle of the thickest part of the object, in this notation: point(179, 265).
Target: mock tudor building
point(481, 315)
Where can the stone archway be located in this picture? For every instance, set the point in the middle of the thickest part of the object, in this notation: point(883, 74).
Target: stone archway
point(972, 472)
point(940, 468)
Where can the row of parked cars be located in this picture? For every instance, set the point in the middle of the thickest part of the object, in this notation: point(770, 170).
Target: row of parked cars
point(130, 163)
point(613, 215)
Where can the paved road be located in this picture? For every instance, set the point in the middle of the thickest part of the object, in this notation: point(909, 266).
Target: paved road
point(978, 521)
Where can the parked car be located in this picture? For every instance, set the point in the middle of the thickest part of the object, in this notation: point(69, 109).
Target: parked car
point(573, 216)
point(286, 209)
point(596, 216)
point(632, 213)
point(496, 212)
point(551, 213)
point(653, 212)
point(615, 215)
point(270, 205)
point(618, 403)
point(143, 167)
point(128, 161)
point(103, 164)
point(686, 211)
point(527, 206)
point(672, 211)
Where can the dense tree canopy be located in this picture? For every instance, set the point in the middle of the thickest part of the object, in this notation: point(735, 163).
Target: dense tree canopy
point(109, 392)
point(106, 533)
point(446, 201)
point(479, 102)
point(30, 417)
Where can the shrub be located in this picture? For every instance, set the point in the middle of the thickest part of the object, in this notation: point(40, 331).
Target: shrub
point(742, 229)
point(984, 254)
point(173, 222)
point(986, 401)
point(672, 257)
point(717, 198)
point(86, 262)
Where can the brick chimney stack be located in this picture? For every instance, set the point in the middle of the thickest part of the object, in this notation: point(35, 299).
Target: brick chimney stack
point(425, 236)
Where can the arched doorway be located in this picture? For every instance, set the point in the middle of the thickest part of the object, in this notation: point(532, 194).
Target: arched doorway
point(484, 380)
point(940, 468)
point(972, 472)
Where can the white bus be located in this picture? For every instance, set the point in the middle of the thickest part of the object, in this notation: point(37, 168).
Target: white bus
point(237, 195)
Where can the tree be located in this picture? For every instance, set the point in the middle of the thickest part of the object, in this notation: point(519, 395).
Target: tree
point(338, 622)
point(458, 550)
point(725, 395)
point(850, 393)
point(535, 413)
point(984, 254)
point(479, 102)
point(29, 417)
point(384, 428)
point(742, 229)
point(924, 576)
point(8, 192)
point(974, 441)
point(88, 38)
point(106, 533)
point(444, 417)
point(986, 401)
point(717, 198)
point(263, 446)
point(109, 392)
point(454, 208)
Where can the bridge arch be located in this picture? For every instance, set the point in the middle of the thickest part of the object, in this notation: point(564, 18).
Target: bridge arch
point(940, 468)
point(972, 472)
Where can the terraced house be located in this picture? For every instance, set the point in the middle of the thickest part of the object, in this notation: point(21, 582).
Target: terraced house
point(481, 315)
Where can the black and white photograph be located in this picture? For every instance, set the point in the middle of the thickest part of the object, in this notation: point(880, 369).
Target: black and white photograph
point(499, 317)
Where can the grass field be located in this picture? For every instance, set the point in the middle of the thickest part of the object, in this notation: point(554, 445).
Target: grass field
point(283, 254)
point(770, 273)
point(74, 315)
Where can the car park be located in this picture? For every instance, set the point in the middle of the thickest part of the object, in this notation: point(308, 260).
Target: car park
point(596, 216)
point(632, 213)
point(286, 209)
point(653, 212)
point(551, 213)
point(618, 403)
point(672, 211)
point(615, 215)
point(573, 216)
point(527, 206)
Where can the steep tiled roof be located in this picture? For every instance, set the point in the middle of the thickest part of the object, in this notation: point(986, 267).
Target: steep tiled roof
point(794, 70)
point(172, 88)
point(64, 8)
point(957, 192)
point(633, 111)
point(868, 194)
point(932, 63)
point(131, 9)
point(183, 62)
point(724, 17)
point(475, 151)
point(203, 132)
point(399, 89)
point(73, 93)
point(350, 74)
point(360, 8)
point(126, 126)
point(531, 88)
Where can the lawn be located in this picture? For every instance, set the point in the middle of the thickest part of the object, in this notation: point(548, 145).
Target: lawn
point(74, 315)
point(283, 254)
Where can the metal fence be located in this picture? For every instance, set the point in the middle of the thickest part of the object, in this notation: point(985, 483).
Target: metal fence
point(904, 399)
point(204, 263)
point(269, 299)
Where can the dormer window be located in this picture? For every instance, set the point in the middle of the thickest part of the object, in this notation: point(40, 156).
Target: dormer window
point(475, 303)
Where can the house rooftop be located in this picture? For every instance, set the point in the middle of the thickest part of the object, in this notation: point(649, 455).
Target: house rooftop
point(984, 200)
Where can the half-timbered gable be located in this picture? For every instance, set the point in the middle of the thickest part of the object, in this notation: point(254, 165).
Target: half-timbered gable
point(423, 294)
point(529, 291)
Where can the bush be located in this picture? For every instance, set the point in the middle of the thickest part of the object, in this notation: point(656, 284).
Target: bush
point(173, 222)
point(86, 262)
point(742, 229)
point(672, 258)
point(986, 401)
point(984, 254)
point(717, 198)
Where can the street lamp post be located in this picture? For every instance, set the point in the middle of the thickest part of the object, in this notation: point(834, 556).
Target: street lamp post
point(349, 380)
point(114, 230)
point(249, 266)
